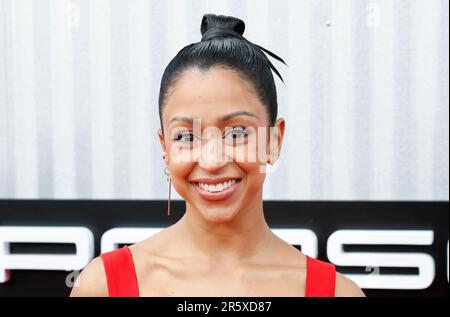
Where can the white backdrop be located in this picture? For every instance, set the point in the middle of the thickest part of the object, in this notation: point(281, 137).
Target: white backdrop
point(366, 95)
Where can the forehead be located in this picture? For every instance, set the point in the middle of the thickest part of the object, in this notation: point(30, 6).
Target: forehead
point(211, 94)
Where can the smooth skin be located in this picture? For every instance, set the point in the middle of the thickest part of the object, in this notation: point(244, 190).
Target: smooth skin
point(224, 247)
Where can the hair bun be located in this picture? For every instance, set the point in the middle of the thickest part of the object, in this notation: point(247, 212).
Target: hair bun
point(226, 26)
point(220, 25)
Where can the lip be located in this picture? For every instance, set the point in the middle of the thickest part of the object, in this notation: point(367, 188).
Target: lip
point(214, 181)
point(217, 195)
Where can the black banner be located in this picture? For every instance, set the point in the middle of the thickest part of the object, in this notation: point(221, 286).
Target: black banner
point(322, 218)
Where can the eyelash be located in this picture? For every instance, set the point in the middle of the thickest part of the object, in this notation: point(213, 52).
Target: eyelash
point(188, 133)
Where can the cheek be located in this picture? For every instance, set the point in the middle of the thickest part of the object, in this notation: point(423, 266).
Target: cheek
point(254, 177)
point(254, 150)
point(179, 171)
point(255, 162)
point(180, 166)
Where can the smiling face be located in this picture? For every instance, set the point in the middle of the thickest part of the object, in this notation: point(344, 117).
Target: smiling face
point(217, 166)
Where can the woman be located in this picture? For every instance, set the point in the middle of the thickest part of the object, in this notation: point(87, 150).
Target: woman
point(218, 108)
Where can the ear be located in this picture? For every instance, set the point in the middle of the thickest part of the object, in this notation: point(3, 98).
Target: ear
point(162, 142)
point(276, 140)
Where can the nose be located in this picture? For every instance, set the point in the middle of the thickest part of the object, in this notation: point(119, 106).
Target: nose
point(212, 155)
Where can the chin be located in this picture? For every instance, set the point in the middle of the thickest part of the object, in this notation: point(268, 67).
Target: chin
point(219, 216)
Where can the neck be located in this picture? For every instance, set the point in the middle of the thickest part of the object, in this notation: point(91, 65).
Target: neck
point(244, 237)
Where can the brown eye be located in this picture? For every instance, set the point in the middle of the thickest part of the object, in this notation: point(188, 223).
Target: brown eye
point(236, 133)
point(185, 137)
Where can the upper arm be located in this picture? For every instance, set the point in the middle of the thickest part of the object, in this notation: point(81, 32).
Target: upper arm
point(91, 281)
point(345, 287)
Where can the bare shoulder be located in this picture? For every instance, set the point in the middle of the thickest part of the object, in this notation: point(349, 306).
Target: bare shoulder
point(159, 243)
point(92, 281)
point(345, 287)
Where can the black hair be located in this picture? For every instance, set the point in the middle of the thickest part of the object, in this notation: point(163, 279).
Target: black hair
point(223, 45)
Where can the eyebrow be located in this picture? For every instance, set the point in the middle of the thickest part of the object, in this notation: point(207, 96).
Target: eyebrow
point(223, 118)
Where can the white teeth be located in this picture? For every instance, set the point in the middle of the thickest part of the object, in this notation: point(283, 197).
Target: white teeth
point(218, 187)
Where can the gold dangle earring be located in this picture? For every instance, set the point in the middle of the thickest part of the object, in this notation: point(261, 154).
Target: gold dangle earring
point(167, 173)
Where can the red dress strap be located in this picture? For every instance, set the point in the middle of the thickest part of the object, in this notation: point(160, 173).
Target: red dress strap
point(320, 278)
point(120, 273)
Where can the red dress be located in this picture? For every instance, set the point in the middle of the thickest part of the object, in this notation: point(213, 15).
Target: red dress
point(122, 281)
